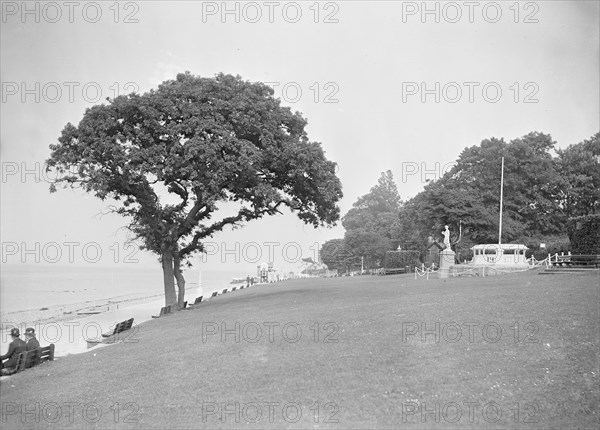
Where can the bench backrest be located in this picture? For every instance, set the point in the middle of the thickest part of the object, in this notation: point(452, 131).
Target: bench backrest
point(585, 259)
point(163, 311)
point(123, 326)
point(20, 363)
point(215, 294)
point(34, 357)
point(198, 300)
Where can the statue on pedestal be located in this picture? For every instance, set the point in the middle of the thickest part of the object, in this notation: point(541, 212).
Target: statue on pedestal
point(447, 256)
point(446, 234)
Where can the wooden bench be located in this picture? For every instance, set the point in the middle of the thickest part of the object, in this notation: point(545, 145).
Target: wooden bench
point(215, 294)
point(196, 303)
point(122, 326)
point(224, 291)
point(28, 359)
point(36, 356)
point(395, 271)
point(586, 261)
point(165, 310)
point(233, 289)
point(113, 335)
point(577, 261)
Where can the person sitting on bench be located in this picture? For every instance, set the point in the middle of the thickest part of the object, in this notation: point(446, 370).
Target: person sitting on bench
point(16, 347)
point(32, 342)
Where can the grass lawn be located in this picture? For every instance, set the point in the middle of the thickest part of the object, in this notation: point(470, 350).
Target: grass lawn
point(512, 351)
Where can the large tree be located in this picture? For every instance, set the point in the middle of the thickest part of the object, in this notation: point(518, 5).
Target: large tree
point(170, 158)
point(377, 210)
point(370, 223)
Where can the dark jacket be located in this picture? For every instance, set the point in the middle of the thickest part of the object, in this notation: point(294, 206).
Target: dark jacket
point(16, 347)
point(32, 344)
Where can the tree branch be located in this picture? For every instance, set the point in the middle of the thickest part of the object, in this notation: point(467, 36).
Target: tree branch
point(244, 214)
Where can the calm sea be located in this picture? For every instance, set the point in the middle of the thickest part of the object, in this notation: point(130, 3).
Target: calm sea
point(25, 287)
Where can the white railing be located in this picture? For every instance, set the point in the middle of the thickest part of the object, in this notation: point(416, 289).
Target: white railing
point(472, 271)
point(484, 270)
point(479, 270)
point(555, 260)
point(425, 271)
point(534, 263)
point(487, 270)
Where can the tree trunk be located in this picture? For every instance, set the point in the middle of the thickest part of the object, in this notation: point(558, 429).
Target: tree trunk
point(180, 281)
point(168, 278)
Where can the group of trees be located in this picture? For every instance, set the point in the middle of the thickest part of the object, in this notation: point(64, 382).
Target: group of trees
point(168, 160)
point(543, 187)
point(369, 226)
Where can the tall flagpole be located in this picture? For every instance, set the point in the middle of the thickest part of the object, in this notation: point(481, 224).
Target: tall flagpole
point(501, 197)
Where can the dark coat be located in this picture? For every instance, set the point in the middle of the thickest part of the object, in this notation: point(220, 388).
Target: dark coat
point(32, 344)
point(16, 347)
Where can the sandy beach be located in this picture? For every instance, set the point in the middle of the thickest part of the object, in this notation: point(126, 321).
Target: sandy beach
point(68, 305)
point(68, 326)
point(67, 312)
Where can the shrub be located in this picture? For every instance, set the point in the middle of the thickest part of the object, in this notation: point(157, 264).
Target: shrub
point(401, 259)
point(464, 252)
point(554, 245)
point(584, 232)
point(558, 245)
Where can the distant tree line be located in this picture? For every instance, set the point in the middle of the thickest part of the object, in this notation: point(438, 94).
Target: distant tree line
point(543, 188)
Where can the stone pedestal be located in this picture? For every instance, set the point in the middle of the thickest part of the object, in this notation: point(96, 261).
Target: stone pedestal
point(446, 261)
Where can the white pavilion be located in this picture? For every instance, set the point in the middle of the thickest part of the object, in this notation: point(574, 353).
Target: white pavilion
point(511, 255)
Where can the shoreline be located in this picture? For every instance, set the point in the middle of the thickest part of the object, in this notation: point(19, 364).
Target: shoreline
point(34, 295)
point(61, 313)
point(69, 312)
point(68, 326)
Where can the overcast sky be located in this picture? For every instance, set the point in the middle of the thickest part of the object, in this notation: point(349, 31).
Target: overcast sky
point(384, 85)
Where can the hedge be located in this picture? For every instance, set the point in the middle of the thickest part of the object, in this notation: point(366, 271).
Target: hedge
point(401, 259)
point(554, 245)
point(584, 233)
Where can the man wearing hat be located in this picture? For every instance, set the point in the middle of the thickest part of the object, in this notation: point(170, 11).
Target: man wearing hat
point(32, 342)
point(16, 347)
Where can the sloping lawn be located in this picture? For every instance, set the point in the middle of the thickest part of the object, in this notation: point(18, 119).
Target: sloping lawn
point(512, 351)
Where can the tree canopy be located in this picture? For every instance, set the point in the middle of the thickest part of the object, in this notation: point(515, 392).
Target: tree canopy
point(579, 166)
point(336, 255)
point(543, 187)
point(369, 228)
point(170, 157)
point(540, 192)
